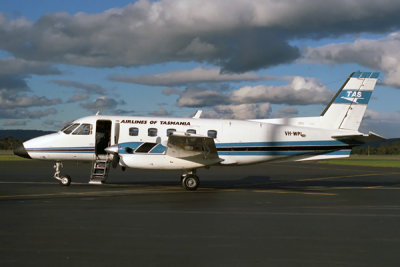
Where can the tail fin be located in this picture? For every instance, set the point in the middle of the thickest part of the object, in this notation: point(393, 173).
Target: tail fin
point(348, 106)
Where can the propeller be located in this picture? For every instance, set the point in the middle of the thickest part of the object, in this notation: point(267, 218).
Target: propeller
point(114, 151)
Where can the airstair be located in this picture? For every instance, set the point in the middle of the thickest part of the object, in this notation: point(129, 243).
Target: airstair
point(100, 170)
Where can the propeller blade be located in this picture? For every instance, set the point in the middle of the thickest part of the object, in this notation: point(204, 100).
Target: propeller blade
point(115, 161)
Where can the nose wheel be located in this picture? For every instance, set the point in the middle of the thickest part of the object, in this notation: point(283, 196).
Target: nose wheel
point(190, 181)
point(63, 179)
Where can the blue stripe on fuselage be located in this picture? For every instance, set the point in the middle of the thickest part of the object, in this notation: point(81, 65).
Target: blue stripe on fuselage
point(283, 153)
point(61, 150)
point(279, 144)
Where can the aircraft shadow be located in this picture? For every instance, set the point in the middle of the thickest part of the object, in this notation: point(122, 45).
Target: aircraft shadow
point(266, 183)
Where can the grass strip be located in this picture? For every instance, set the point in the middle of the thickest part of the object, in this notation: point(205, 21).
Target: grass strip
point(8, 155)
point(369, 163)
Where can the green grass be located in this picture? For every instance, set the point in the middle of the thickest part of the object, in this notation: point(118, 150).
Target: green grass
point(392, 161)
point(8, 155)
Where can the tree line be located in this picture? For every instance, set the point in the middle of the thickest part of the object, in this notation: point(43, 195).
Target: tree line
point(384, 148)
point(9, 143)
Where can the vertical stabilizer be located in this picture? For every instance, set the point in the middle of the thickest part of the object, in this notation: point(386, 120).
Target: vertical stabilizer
point(348, 106)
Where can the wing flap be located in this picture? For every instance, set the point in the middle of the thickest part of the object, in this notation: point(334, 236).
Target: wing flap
point(191, 147)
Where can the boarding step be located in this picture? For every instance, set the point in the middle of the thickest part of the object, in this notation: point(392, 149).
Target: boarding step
point(99, 172)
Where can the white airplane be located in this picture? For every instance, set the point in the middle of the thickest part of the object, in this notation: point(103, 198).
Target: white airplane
point(187, 144)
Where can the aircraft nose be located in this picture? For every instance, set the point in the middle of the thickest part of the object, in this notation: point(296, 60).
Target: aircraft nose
point(20, 151)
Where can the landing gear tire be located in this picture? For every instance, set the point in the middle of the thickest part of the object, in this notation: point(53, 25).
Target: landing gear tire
point(65, 180)
point(190, 182)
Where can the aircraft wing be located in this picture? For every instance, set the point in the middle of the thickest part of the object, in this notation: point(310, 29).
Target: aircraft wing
point(192, 147)
point(359, 139)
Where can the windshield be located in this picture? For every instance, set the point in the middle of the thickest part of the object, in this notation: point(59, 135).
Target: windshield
point(65, 127)
point(70, 128)
point(84, 129)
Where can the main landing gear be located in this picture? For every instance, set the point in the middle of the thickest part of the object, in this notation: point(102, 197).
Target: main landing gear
point(190, 181)
point(63, 179)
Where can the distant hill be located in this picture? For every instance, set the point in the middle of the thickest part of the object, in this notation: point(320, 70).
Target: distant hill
point(22, 134)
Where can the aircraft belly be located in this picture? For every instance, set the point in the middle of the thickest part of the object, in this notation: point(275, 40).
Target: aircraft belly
point(160, 162)
point(243, 160)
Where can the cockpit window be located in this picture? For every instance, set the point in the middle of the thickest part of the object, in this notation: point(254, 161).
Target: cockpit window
point(65, 127)
point(68, 130)
point(84, 129)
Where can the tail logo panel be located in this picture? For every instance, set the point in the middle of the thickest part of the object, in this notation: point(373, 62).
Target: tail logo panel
point(353, 96)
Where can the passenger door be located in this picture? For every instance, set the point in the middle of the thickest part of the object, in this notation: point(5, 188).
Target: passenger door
point(103, 136)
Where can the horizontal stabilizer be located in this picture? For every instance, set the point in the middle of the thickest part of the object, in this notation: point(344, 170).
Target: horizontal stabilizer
point(359, 139)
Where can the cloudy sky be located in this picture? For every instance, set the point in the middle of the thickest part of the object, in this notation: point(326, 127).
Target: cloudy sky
point(241, 59)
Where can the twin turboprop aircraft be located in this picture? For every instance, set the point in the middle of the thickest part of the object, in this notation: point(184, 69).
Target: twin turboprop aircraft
point(187, 144)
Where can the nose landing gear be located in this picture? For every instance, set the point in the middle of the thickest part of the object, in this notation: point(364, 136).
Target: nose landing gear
point(63, 179)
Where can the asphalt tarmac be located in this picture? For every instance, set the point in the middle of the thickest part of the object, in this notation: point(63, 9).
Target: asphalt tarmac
point(292, 214)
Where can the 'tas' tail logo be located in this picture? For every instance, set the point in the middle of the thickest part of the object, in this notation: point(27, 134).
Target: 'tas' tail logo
point(353, 96)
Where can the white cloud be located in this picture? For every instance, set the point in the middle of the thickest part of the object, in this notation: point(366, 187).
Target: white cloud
point(56, 124)
point(298, 91)
point(382, 116)
point(381, 54)
point(14, 103)
point(160, 112)
point(10, 66)
point(239, 112)
point(14, 123)
point(23, 113)
point(196, 75)
point(171, 91)
point(237, 35)
point(77, 98)
point(286, 112)
point(194, 97)
point(122, 112)
point(99, 104)
point(10, 99)
point(383, 123)
point(88, 87)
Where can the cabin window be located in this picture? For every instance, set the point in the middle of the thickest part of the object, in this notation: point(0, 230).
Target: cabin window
point(212, 133)
point(68, 130)
point(191, 131)
point(170, 131)
point(152, 132)
point(133, 131)
point(84, 129)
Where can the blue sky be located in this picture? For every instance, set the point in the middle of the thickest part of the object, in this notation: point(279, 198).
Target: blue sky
point(61, 60)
